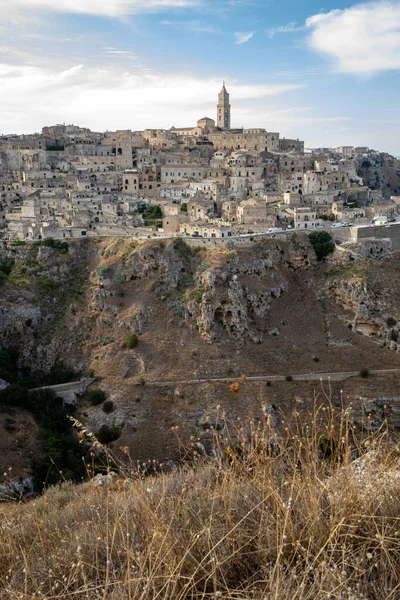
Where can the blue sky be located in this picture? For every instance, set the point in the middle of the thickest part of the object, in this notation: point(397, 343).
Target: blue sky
point(328, 74)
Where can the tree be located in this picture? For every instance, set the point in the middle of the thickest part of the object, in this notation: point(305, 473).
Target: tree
point(322, 243)
point(132, 340)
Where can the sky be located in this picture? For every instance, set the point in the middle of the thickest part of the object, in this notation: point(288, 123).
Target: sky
point(325, 73)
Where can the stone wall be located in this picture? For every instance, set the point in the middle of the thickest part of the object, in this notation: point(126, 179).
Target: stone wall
point(244, 241)
point(390, 232)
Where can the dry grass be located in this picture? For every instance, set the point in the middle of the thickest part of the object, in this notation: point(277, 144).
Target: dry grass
point(268, 518)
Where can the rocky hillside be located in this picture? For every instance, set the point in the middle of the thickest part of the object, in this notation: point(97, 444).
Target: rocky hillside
point(151, 319)
point(380, 172)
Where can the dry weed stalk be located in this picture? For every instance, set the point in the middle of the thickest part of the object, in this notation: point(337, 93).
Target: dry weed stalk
point(278, 513)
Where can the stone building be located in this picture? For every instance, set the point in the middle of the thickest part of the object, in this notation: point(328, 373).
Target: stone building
point(223, 109)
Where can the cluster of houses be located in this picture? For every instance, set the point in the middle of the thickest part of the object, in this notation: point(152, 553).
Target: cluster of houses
point(209, 180)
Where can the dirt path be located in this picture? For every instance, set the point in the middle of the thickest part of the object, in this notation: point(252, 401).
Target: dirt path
point(339, 376)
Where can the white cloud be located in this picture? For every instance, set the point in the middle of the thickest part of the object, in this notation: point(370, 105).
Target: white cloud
point(111, 8)
point(242, 37)
point(111, 98)
point(362, 39)
point(289, 28)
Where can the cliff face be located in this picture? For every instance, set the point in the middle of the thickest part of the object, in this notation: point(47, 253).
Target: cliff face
point(368, 294)
point(380, 173)
point(58, 307)
point(37, 299)
point(78, 307)
point(234, 295)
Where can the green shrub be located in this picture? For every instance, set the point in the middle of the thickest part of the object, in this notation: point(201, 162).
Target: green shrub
point(132, 340)
point(184, 207)
point(106, 434)
point(6, 265)
point(391, 322)
point(58, 245)
point(364, 372)
point(289, 378)
point(59, 373)
point(394, 335)
point(96, 397)
point(322, 243)
point(182, 248)
point(327, 217)
point(108, 406)
point(46, 283)
point(102, 271)
point(62, 453)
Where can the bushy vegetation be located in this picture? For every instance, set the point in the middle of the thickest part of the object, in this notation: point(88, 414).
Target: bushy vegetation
point(107, 434)
point(108, 406)
point(309, 513)
point(59, 373)
point(364, 372)
point(50, 242)
point(126, 254)
point(322, 243)
point(391, 322)
point(151, 214)
point(96, 397)
point(327, 217)
point(6, 265)
point(132, 340)
point(182, 248)
point(62, 458)
point(46, 283)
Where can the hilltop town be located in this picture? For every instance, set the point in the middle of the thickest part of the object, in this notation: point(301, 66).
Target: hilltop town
point(173, 340)
point(208, 181)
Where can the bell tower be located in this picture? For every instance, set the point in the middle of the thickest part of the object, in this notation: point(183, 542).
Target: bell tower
point(223, 109)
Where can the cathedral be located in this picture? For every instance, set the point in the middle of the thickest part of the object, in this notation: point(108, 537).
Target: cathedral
point(206, 125)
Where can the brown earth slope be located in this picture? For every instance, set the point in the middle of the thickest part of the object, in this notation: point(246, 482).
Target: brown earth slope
point(199, 314)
